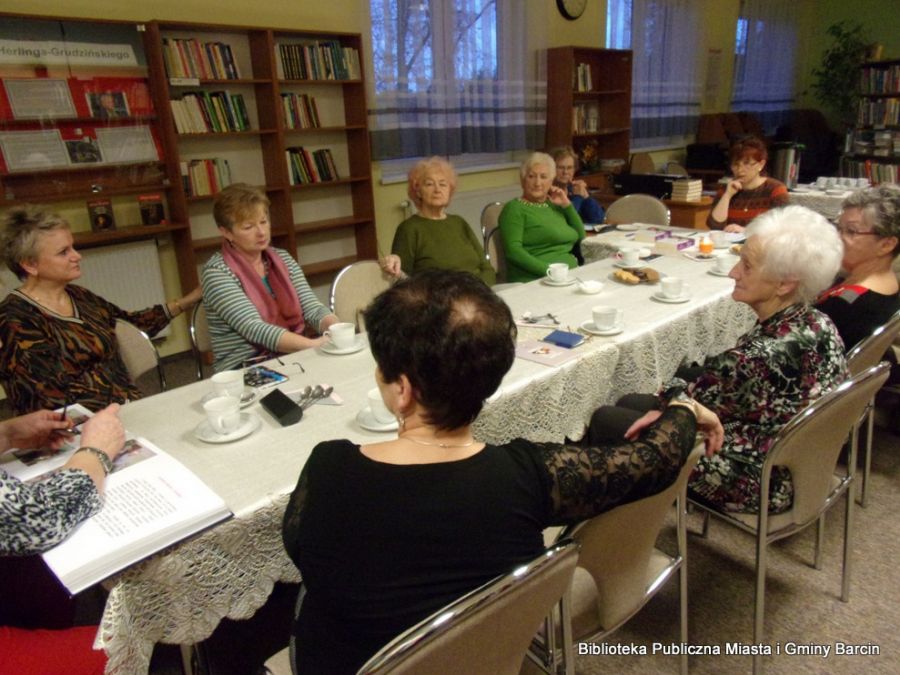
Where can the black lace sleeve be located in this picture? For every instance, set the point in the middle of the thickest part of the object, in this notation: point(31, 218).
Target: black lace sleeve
point(293, 515)
point(587, 481)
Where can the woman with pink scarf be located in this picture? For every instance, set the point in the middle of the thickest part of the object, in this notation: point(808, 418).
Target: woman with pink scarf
point(258, 302)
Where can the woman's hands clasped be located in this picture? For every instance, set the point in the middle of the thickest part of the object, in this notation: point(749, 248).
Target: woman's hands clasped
point(707, 423)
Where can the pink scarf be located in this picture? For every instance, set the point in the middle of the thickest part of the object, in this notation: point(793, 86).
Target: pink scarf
point(284, 309)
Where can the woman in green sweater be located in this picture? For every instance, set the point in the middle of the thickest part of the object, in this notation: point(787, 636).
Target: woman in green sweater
point(541, 226)
point(432, 238)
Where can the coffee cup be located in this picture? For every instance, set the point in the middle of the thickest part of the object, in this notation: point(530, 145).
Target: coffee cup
point(821, 182)
point(342, 335)
point(862, 182)
point(379, 410)
point(672, 287)
point(630, 256)
point(719, 238)
point(223, 414)
point(830, 182)
point(606, 317)
point(558, 272)
point(723, 264)
point(229, 383)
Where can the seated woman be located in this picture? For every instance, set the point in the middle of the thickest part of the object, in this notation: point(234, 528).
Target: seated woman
point(868, 295)
point(257, 300)
point(749, 193)
point(432, 239)
point(59, 340)
point(386, 533)
point(540, 227)
point(588, 208)
point(788, 359)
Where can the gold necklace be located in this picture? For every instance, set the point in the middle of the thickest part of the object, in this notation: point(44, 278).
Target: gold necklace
point(438, 445)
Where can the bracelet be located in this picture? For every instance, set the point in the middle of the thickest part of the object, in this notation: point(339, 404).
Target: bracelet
point(685, 401)
point(105, 461)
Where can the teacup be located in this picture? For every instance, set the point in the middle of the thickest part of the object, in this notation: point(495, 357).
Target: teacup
point(228, 383)
point(379, 410)
point(862, 182)
point(342, 335)
point(558, 272)
point(630, 256)
point(672, 287)
point(830, 182)
point(223, 413)
point(719, 238)
point(606, 317)
point(822, 182)
point(723, 264)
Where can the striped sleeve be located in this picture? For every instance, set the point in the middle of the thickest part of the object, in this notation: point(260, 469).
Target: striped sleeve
point(313, 310)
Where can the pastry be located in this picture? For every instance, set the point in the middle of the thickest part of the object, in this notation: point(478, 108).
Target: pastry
point(626, 276)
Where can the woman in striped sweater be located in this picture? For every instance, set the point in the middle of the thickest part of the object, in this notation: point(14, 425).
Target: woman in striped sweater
point(257, 300)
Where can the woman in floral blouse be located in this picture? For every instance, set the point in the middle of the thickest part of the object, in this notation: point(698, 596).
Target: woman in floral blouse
point(791, 357)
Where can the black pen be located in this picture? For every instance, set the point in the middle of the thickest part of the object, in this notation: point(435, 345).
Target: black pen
point(68, 430)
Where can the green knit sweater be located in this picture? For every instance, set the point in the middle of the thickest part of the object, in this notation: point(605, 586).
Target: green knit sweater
point(535, 235)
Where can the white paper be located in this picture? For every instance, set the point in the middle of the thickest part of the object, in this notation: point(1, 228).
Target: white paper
point(28, 150)
point(127, 144)
point(39, 98)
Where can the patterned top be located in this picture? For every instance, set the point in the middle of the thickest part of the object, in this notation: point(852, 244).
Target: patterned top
point(381, 546)
point(535, 235)
point(747, 204)
point(423, 243)
point(857, 311)
point(36, 517)
point(775, 370)
point(236, 329)
point(47, 360)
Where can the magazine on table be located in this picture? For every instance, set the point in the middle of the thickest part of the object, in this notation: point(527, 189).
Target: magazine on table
point(151, 501)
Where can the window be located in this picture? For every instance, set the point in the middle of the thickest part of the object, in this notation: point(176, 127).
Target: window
point(663, 36)
point(762, 84)
point(451, 78)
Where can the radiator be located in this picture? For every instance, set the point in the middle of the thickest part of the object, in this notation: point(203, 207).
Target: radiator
point(470, 203)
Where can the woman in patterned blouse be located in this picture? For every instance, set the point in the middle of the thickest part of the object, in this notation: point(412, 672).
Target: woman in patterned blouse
point(789, 358)
point(58, 339)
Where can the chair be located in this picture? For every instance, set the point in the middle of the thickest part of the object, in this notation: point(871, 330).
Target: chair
point(490, 218)
point(488, 630)
point(865, 355)
point(138, 352)
point(808, 445)
point(495, 253)
point(675, 169)
point(353, 289)
point(638, 208)
point(642, 162)
point(619, 567)
point(201, 344)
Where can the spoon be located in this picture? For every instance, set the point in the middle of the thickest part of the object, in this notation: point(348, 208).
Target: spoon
point(304, 394)
point(317, 393)
point(325, 394)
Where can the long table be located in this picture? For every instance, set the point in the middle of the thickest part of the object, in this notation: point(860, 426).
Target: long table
point(181, 594)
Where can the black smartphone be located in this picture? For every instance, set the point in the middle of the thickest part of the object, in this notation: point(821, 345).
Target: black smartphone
point(283, 409)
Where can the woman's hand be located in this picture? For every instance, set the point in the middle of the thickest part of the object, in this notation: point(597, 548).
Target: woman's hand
point(104, 431)
point(642, 423)
point(390, 264)
point(711, 427)
point(579, 187)
point(733, 188)
point(734, 227)
point(558, 196)
point(33, 430)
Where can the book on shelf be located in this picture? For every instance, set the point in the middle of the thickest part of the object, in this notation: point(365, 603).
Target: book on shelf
point(687, 190)
point(108, 105)
point(209, 112)
point(151, 208)
point(310, 167)
point(101, 214)
point(190, 58)
point(202, 177)
point(151, 501)
point(300, 111)
point(583, 77)
point(317, 60)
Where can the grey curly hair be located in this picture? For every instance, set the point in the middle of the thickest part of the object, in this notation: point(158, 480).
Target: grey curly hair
point(19, 232)
point(880, 208)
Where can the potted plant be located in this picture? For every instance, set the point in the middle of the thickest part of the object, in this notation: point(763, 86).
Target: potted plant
point(836, 80)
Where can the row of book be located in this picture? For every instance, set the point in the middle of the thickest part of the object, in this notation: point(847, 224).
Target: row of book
point(876, 172)
point(583, 77)
point(100, 212)
point(878, 142)
point(300, 111)
point(687, 190)
point(880, 80)
point(210, 112)
point(199, 60)
point(310, 167)
point(320, 60)
point(201, 177)
point(585, 118)
point(878, 112)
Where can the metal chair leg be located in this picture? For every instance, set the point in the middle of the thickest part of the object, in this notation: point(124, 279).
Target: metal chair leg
point(681, 526)
point(820, 542)
point(761, 562)
point(867, 458)
point(848, 534)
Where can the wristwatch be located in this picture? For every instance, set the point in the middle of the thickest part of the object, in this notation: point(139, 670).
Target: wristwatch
point(675, 391)
point(105, 461)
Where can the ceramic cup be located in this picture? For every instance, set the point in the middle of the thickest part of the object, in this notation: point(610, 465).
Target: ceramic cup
point(223, 414)
point(379, 410)
point(862, 182)
point(630, 256)
point(558, 272)
point(606, 317)
point(719, 238)
point(229, 383)
point(672, 287)
point(821, 182)
point(723, 264)
point(342, 335)
point(830, 182)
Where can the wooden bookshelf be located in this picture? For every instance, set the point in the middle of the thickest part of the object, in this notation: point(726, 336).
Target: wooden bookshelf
point(874, 150)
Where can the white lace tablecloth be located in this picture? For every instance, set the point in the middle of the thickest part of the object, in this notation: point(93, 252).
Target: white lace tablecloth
point(181, 594)
point(829, 205)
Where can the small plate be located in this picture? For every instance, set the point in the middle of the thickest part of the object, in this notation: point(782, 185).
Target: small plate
point(628, 228)
point(836, 192)
point(568, 282)
point(249, 423)
point(717, 273)
point(248, 398)
point(359, 344)
point(367, 421)
point(800, 189)
point(598, 286)
point(659, 297)
point(622, 265)
point(699, 257)
point(589, 327)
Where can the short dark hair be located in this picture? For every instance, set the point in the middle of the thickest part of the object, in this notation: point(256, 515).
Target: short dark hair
point(451, 335)
point(20, 229)
point(752, 147)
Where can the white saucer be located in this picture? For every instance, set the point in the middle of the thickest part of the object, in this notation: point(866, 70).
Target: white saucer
point(624, 266)
point(589, 327)
point(249, 423)
point(248, 398)
point(367, 421)
point(800, 189)
point(628, 228)
point(568, 282)
point(696, 256)
point(717, 273)
point(360, 343)
point(836, 192)
point(659, 297)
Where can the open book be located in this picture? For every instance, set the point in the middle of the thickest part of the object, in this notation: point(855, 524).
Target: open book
point(150, 501)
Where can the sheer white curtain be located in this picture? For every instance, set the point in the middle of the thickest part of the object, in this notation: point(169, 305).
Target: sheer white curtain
point(453, 77)
point(764, 58)
point(666, 87)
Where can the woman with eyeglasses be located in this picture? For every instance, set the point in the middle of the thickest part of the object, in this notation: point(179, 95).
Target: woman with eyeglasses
point(868, 294)
point(749, 193)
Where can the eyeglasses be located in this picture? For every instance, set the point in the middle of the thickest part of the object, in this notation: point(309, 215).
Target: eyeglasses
point(852, 233)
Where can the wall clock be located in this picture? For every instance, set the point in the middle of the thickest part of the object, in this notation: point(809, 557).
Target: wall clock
point(571, 9)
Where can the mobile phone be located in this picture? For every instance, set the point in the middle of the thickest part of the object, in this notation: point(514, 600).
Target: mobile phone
point(260, 377)
point(283, 409)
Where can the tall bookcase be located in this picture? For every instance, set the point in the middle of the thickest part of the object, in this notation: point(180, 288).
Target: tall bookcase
point(874, 151)
point(589, 103)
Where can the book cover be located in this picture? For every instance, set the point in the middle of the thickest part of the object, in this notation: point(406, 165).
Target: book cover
point(152, 212)
point(108, 105)
point(101, 214)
